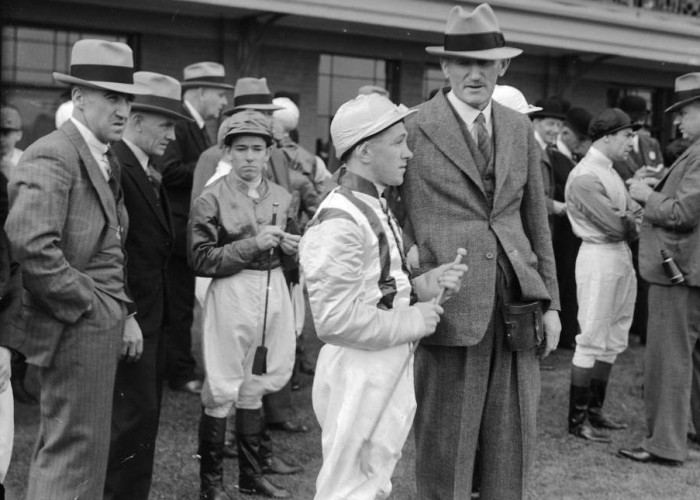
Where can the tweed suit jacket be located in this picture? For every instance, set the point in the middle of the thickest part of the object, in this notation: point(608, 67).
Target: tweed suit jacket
point(177, 166)
point(671, 217)
point(62, 213)
point(149, 242)
point(446, 205)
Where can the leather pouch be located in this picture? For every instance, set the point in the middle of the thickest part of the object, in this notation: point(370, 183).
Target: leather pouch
point(524, 327)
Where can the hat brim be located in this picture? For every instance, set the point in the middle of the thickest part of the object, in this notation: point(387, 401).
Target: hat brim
point(488, 54)
point(377, 128)
point(256, 107)
point(121, 88)
point(682, 104)
point(214, 85)
point(633, 126)
point(532, 109)
point(160, 111)
point(545, 114)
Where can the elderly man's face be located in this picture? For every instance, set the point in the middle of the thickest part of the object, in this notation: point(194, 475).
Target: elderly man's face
point(153, 132)
point(548, 128)
point(688, 121)
point(104, 112)
point(473, 80)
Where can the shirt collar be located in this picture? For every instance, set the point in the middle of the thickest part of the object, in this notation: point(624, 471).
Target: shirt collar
point(564, 149)
point(140, 155)
point(467, 113)
point(195, 114)
point(356, 182)
point(96, 147)
point(599, 158)
point(540, 141)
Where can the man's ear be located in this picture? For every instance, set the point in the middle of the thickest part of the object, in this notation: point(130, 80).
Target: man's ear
point(443, 64)
point(504, 63)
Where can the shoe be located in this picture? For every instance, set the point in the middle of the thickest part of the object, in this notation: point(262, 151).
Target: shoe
point(643, 456)
point(599, 387)
point(192, 387)
point(262, 486)
point(275, 465)
point(585, 431)
point(211, 465)
point(600, 421)
point(288, 426)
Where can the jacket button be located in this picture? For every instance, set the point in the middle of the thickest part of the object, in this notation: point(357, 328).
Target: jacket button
point(489, 255)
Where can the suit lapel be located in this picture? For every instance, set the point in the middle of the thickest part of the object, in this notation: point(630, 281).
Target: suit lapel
point(671, 168)
point(134, 170)
point(104, 193)
point(446, 134)
point(503, 146)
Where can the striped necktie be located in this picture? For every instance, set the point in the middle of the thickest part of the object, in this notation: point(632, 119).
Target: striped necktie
point(483, 138)
point(155, 178)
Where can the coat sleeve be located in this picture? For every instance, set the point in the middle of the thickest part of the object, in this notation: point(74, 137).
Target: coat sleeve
point(679, 211)
point(333, 263)
point(40, 194)
point(208, 256)
point(534, 213)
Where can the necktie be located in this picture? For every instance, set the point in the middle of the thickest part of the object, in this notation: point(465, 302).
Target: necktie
point(483, 139)
point(155, 177)
point(114, 180)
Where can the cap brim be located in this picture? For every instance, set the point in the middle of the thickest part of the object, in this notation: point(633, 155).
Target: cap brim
point(376, 129)
point(122, 88)
point(681, 104)
point(489, 54)
point(214, 85)
point(160, 111)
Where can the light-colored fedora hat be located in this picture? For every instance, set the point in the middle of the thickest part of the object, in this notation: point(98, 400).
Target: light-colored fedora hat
point(205, 74)
point(361, 118)
point(164, 100)
point(474, 35)
point(687, 90)
point(252, 93)
point(513, 98)
point(103, 65)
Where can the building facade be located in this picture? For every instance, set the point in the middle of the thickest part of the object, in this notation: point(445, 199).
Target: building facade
point(319, 52)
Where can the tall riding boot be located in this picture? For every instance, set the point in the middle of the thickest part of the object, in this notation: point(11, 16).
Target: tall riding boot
point(19, 390)
point(212, 432)
point(271, 463)
point(579, 397)
point(249, 428)
point(599, 386)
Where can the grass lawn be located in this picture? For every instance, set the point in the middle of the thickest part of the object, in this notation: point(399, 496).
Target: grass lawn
point(566, 467)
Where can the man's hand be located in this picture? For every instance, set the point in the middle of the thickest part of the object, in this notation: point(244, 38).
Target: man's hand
point(447, 276)
point(132, 341)
point(5, 368)
point(559, 207)
point(290, 243)
point(431, 315)
point(269, 237)
point(639, 189)
point(552, 329)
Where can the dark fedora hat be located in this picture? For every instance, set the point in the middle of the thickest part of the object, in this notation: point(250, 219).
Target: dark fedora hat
point(578, 120)
point(474, 35)
point(103, 65)
point(164, 100)
point(205, 74)
point(610, 121)
point(687, 90)
point(551, 108)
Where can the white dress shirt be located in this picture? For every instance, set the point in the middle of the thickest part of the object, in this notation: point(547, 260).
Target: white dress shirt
point(97, 148)
point(469, 114)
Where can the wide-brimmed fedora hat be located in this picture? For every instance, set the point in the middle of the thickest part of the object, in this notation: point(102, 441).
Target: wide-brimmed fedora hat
point(164, 100)
point(474, 35)
point(205, 74)
point(610, 121)
point(251, 93)
point(513, 98)
point(361, 118)
point(550, 108)
point(687, 90)
point(103, 65)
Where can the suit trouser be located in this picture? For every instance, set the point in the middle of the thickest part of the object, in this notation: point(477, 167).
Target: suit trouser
point(138, 389)
point(70, 458)
point(480, 395)
point(673, 335)
point(180, 364)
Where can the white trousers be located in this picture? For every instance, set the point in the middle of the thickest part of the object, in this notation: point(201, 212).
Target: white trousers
point(606, 289)
point(349, 391)
point(233, 314)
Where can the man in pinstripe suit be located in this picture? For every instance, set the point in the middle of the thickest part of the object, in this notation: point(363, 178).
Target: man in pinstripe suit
point(65, 226)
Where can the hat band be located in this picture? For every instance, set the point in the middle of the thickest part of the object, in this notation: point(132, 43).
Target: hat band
point(687, 94)
point(158, 102)
point(103, 73)
point(245, 100)
point(474, 41)
point(204, 79)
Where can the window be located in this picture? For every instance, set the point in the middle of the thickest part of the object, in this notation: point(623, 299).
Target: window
point(339, 78)
point(30, 55)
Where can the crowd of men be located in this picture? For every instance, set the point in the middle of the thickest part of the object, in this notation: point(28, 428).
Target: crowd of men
point(130, 216)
